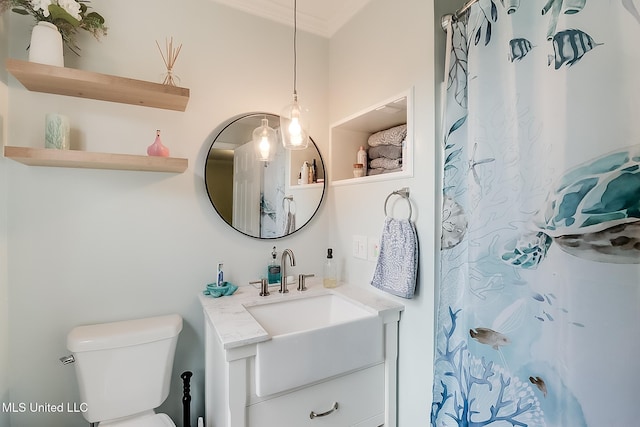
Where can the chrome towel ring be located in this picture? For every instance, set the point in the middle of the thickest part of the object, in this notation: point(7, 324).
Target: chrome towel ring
point(404, 193)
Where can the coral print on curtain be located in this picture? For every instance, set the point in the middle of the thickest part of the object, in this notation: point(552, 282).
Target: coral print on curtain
point(539, 292)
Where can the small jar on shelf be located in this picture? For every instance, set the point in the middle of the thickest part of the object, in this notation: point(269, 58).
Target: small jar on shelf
point(358, 170)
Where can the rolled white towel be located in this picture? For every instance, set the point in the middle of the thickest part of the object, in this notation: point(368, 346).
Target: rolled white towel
point(391, 136)
point(388, 151)
point(384, 163)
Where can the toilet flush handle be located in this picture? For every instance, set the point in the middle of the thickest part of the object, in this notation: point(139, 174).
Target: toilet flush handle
point(67, 359)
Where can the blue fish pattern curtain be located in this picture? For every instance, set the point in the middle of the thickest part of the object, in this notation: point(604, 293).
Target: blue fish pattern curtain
point(538, 309)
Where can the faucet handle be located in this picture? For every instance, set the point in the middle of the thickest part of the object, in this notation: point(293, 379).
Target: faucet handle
point(301, 281)
point(264, 286)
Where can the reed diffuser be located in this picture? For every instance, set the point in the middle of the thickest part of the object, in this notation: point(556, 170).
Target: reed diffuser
point(169, 61)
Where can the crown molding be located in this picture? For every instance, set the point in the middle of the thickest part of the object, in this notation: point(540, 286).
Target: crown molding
point(323, 17)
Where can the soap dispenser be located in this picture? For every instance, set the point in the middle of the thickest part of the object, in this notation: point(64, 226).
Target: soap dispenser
point(273, 269)
point(329, 278)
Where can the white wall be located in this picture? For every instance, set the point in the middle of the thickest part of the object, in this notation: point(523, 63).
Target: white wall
point(385, 49)
point(4, 297)
point(90, 246)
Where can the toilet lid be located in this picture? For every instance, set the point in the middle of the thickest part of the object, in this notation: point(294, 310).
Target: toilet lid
point(152, 420)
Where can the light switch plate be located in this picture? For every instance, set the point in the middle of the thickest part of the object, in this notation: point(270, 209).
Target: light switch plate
point(360, 247)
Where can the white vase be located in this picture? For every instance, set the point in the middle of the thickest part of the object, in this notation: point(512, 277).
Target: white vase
point(46, 45)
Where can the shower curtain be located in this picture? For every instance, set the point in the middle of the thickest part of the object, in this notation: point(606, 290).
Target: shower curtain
point(538, 312)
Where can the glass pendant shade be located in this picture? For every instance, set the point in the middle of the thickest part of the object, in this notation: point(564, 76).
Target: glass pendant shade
point(264, 141)
point(294, 126)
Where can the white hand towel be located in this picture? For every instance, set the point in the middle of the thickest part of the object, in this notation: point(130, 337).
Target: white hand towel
point(397, 268)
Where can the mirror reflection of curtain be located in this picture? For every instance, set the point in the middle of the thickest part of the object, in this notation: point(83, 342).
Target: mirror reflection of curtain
point(247, 187)
point(272, 213)
point(539, 301)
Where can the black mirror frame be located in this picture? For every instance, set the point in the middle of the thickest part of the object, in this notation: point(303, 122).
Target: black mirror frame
point(220, 129)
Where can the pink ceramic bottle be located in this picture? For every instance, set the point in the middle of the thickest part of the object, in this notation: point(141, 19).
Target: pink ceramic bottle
point(157, 149)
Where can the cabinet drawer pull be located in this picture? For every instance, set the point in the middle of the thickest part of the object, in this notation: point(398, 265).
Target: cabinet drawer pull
point(313, 415)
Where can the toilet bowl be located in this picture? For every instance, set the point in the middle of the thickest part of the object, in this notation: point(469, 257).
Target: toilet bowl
point(124, 369)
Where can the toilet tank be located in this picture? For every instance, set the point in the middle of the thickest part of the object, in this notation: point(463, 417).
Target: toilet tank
point(124, 368)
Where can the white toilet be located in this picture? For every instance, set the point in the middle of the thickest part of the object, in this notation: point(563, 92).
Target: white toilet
point(124, 369)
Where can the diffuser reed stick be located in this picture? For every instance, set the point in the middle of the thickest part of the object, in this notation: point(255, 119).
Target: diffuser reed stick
point(169, 61)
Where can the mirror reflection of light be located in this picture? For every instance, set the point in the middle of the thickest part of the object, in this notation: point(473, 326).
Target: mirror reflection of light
point(265, 140)
point(265, 147)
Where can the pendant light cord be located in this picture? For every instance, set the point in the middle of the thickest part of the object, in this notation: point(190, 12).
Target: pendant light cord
point(295, 49)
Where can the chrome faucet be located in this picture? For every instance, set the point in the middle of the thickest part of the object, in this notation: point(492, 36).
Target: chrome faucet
point(283, 269)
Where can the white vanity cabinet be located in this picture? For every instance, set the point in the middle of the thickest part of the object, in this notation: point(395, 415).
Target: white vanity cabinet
point(363, 397)
point(355, 399)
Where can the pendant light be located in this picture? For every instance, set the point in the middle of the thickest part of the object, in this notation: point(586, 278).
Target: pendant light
point(264, 141)
point(294, 124)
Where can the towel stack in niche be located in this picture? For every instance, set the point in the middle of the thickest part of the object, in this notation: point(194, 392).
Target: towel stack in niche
point(385, 150)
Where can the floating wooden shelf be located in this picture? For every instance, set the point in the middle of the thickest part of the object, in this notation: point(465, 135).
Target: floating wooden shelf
point(86, 84)
point(84, 159)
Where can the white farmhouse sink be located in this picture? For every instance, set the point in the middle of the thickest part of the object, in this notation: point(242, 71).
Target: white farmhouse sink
point(313, 338)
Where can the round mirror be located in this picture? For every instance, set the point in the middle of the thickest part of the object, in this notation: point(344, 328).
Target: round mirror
point(266, 199)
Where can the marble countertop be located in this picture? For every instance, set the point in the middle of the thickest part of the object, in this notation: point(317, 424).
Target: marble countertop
point(236, 327)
